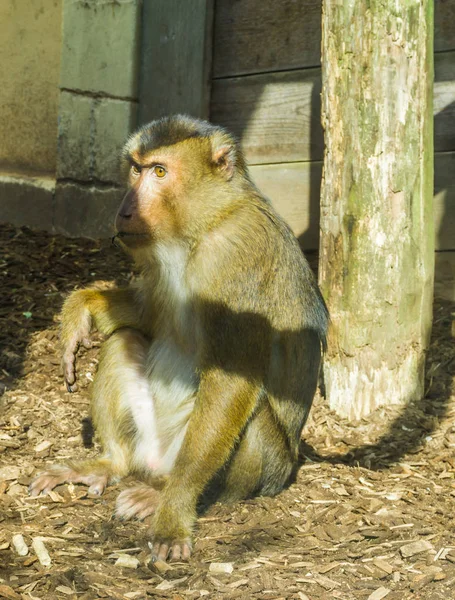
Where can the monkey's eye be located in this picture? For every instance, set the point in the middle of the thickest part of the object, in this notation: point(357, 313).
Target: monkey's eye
point(135, 170)
point(159, 171)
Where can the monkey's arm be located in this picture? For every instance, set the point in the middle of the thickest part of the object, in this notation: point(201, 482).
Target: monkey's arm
point(224, 404)
point(106, 310)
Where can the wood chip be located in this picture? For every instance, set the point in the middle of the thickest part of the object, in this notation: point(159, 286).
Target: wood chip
point(236, 584)
point(9, 593)
point(169, 585)
point(326, 583)
point(127, 561)
point(9, 473)
point(220, 568)
point(383, 566)
point(64, 589)
point(42, 447)
point(328, 567)
point(379, 594)
point(19, 544)
point(55, 496)
point(41, 552)
point(159, 566)
point(415, 547)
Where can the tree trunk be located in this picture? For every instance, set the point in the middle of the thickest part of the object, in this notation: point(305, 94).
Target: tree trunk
point(377, 240)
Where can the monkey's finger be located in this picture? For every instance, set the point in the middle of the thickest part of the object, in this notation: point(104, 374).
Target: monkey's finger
point(145, 512)
point(43, 483)
point(186, 551)
point(69, 370)
point(86, 342)
point(160, 551)
point(180, 551)
point(175, 552)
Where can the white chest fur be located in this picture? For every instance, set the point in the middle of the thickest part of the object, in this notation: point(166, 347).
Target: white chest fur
point(172, 260)
point(173, 385)
point(170, 364)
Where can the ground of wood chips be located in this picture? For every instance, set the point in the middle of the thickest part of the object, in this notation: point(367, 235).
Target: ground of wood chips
point(370, 515)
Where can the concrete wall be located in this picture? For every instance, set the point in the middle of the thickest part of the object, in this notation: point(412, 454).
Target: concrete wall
point(68, 99)
point(30, 43)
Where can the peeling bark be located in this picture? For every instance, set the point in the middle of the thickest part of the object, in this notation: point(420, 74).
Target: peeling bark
point(377, 239)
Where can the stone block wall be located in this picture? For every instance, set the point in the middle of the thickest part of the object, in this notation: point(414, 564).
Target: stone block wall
point(97, 111)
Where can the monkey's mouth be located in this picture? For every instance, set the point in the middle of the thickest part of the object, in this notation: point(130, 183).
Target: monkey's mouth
point(129, 238)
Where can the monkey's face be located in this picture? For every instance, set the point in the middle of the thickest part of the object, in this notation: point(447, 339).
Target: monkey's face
point(168, 195)
point(179, 170)
point(153, 207)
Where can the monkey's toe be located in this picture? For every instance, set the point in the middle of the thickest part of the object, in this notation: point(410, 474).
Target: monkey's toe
point(97, 484)
point(173, 551)
point(139, 501)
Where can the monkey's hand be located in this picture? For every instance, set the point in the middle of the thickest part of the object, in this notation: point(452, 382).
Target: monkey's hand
point(76, 327)
point(106, 310)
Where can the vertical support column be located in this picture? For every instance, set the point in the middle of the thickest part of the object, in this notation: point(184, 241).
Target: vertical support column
point(377, 234)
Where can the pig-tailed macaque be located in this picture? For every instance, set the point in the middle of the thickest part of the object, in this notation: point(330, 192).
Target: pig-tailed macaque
point(209, 371)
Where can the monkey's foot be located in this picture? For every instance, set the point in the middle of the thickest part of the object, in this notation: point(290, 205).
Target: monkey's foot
point(58, 474)
point(172, 550)
point(139, 501)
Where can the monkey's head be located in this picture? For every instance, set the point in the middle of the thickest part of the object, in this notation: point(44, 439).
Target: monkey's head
point(181, 174)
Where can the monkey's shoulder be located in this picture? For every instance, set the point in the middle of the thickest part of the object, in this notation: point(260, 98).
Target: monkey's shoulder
point(252, 263)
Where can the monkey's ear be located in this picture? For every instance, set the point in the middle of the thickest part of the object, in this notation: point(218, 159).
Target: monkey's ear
point(225, 160)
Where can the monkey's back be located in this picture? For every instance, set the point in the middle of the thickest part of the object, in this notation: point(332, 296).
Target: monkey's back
point(253, 264)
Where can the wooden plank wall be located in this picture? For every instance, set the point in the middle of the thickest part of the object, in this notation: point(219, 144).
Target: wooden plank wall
point(176, 47)
point(266, 88)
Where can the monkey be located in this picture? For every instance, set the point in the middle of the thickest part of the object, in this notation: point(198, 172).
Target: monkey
point(212, 355)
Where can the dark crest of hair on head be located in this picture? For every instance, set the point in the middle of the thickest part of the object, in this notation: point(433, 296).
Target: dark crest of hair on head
point(171, 130)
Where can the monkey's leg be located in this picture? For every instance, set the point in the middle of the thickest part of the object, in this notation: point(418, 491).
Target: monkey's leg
point(119, 382)
point(261, 465)
point(224, 403)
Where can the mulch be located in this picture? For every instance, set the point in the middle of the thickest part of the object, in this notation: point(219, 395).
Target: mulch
point(370, 515)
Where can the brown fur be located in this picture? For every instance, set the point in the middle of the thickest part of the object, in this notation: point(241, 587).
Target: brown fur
point(212, 362)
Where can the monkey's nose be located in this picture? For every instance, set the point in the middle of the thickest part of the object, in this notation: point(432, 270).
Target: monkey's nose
point(125, 214)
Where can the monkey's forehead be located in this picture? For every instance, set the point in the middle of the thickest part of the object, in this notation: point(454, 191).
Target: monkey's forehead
point(170, 131)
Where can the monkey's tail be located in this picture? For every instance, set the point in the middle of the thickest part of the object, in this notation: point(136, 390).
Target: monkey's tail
point(88, 432)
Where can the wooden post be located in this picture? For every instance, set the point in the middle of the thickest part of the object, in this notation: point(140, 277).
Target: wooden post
point(377, 248)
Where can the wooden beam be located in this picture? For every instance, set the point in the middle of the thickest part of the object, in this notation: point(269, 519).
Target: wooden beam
point(258, 36)
point(275, 115)
point(444, 102)
point(175, 58)
point(444, 25)
point(294, 190)
point(376, 262)
point(444, 200)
